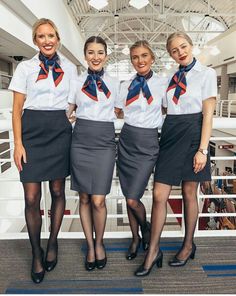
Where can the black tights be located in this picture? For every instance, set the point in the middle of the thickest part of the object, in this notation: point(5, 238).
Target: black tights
point(93, 214)
point(158, 217)
point(137, 217)
point(33, 218)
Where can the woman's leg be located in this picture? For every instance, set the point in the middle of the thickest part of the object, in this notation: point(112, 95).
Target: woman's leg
point(139, 212)
point(161, 194)
point(99, 212)
point(189, 192)
point(134, 226)
point(85, 211)
point(32, 192)
point(57, 190)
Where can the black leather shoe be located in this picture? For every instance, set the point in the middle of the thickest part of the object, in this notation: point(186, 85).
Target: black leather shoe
point(146, 233)
point(100, 264)
point(141, 271)
point(131, 255)
point(89, 265)
point(175, 262)
point(50, 265)
point(37, 277)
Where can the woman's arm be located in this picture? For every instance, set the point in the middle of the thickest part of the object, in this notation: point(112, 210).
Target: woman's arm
point(119, 112)
point(208, 108)
point(71, 109)
point(19, 150)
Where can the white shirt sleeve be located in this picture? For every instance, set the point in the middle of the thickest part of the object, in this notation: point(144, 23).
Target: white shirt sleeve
point(122, 95)
point(19, 79)
point(117, 98)
point(209, 88)
point(73, 85)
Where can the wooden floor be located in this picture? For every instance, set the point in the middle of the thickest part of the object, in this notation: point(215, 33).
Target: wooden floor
point(212, 271)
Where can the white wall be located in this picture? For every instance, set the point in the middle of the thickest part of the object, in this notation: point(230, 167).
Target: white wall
point(56, 10)
point(16, 23)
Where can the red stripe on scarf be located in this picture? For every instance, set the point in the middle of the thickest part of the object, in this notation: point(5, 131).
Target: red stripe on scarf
point(89, 95)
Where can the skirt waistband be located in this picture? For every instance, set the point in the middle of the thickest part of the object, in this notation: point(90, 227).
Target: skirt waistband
point(192, 117)
point(140, 130)
point(86, 122)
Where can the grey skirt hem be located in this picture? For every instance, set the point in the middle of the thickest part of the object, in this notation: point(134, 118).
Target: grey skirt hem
point(93, 152)
point(137, 154)
point(46, 137)
point(180, 140)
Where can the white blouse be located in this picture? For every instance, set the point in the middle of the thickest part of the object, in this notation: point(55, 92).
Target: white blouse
point(101, 110)
point(139, 113)
point(43, 94)
point(201, 85)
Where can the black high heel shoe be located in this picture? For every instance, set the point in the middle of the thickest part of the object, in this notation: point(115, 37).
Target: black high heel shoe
point(175, 262)
point(37, 277)
point(146, 233)
point(50, 265)
point(89, 265)
point(131, 255)
point(101, 263)
point(141, 271)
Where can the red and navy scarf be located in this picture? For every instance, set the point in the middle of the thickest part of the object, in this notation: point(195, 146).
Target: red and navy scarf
point(178, 81)
point(57, 71)
point(93, 79)
point(139, 83)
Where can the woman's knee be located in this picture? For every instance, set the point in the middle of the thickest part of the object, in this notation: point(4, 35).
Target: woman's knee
point(32, 200)
point(98, 204)
point(84, 199)
point(132, 203)
point(189, 191)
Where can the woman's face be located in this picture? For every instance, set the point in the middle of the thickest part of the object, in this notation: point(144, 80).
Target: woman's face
point(181, 51)
point(46, 40)
point(141, 59)
point(95, 56)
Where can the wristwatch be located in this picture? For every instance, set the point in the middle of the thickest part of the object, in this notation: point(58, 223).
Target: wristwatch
point(203, 151)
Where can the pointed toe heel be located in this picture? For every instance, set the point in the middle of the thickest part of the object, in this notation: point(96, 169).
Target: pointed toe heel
point(100, 264)
point(175, 262)
point(89, 266)
point(142, 271)
point(131, 255)
point(50, 265)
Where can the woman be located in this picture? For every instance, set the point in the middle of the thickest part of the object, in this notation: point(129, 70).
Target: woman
point(184, 144)
point(141, 101)
point(42, 137)
point(93, 147)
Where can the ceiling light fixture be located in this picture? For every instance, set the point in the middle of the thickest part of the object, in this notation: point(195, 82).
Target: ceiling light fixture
point(214, 51)
point(98, 4)
point(138, 3)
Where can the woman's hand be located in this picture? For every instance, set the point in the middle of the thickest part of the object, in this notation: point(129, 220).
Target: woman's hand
point(199, 162)
point(19, 154)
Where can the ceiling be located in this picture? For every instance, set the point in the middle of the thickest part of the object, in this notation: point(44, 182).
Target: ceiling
point(121, 24)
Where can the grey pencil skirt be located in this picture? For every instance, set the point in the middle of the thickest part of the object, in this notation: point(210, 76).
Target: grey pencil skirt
point(180, 140)
point(46, 137)
point(137, 155)
point(93, 153)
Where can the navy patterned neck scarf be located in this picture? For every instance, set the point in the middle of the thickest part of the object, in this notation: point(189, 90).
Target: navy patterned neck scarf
point(139, 83)
point(178, 81)
point(93, 79)
point(57, 71)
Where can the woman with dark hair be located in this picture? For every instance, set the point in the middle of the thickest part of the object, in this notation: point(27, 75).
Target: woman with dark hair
point(141, 101)
point(42, 137)
point(93, 147)
point(184, 157)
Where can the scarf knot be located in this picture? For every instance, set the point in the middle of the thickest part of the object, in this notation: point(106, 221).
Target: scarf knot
point(178, 81)
point(139, 83)
point(53, 62)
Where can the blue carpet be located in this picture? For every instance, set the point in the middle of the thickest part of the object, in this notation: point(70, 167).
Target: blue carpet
point(214, 270)
point(116, 286)
point(123, 246)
